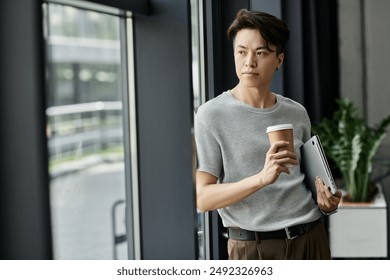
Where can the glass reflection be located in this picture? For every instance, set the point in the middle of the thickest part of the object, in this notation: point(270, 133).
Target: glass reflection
point(85, 134)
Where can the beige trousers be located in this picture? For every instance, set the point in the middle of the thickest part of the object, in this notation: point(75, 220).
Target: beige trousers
point(312, 245)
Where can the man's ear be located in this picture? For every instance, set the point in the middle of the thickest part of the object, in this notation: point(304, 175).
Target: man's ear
point(280, 61)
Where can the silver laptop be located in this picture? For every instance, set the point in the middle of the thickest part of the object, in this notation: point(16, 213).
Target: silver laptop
point(314, 163)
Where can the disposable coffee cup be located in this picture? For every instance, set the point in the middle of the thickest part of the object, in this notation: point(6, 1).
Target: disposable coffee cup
point(282, 132)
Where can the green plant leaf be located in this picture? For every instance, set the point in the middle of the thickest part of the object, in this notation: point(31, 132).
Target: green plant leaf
point(352, 145)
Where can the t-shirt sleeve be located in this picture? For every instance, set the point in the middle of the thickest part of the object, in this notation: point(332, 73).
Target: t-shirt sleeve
point(208, 151)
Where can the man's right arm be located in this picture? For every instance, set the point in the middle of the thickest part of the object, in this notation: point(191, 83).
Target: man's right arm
point(211, 195)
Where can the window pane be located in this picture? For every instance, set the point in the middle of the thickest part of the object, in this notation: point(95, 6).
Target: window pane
point(85, 134)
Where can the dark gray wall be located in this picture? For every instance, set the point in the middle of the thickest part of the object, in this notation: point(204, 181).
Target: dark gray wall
point(164, 101)
point(24, 197)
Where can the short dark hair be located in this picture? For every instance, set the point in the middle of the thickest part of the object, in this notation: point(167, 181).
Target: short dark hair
point(273, 30)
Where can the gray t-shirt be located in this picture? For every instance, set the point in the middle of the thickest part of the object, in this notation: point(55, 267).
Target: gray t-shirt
point(232, 143)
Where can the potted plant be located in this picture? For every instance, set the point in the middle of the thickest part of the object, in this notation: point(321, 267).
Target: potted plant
point(352, 145)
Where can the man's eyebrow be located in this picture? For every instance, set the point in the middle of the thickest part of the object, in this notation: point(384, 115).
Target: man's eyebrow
point(258, 48)
point(262, 48)
point(265, 48)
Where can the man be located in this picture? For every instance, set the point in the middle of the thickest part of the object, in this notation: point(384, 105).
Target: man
point(256, 187)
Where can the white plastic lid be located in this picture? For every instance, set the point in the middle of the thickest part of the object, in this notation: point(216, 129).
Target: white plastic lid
point(279, 127)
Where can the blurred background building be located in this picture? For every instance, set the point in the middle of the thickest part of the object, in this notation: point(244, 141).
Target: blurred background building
point(96, 113)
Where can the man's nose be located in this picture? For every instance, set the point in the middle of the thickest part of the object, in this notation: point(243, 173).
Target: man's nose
point(250, 61)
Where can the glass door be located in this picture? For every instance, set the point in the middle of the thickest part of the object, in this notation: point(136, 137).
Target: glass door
point(87, 133)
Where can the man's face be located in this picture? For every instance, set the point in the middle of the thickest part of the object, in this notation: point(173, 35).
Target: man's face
point(255, 63)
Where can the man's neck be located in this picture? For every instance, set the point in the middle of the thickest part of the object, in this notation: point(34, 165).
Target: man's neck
point(255, 97)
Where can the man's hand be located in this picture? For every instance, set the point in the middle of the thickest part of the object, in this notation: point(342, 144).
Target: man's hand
point(325, 199)
point(276, 162)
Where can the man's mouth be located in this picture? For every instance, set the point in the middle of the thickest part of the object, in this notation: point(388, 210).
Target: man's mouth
point(249, 73)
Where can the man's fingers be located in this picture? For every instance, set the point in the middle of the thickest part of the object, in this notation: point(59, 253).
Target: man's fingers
point(325, 199)
point(276, 145)
point(326, 189)
point(338, 194)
